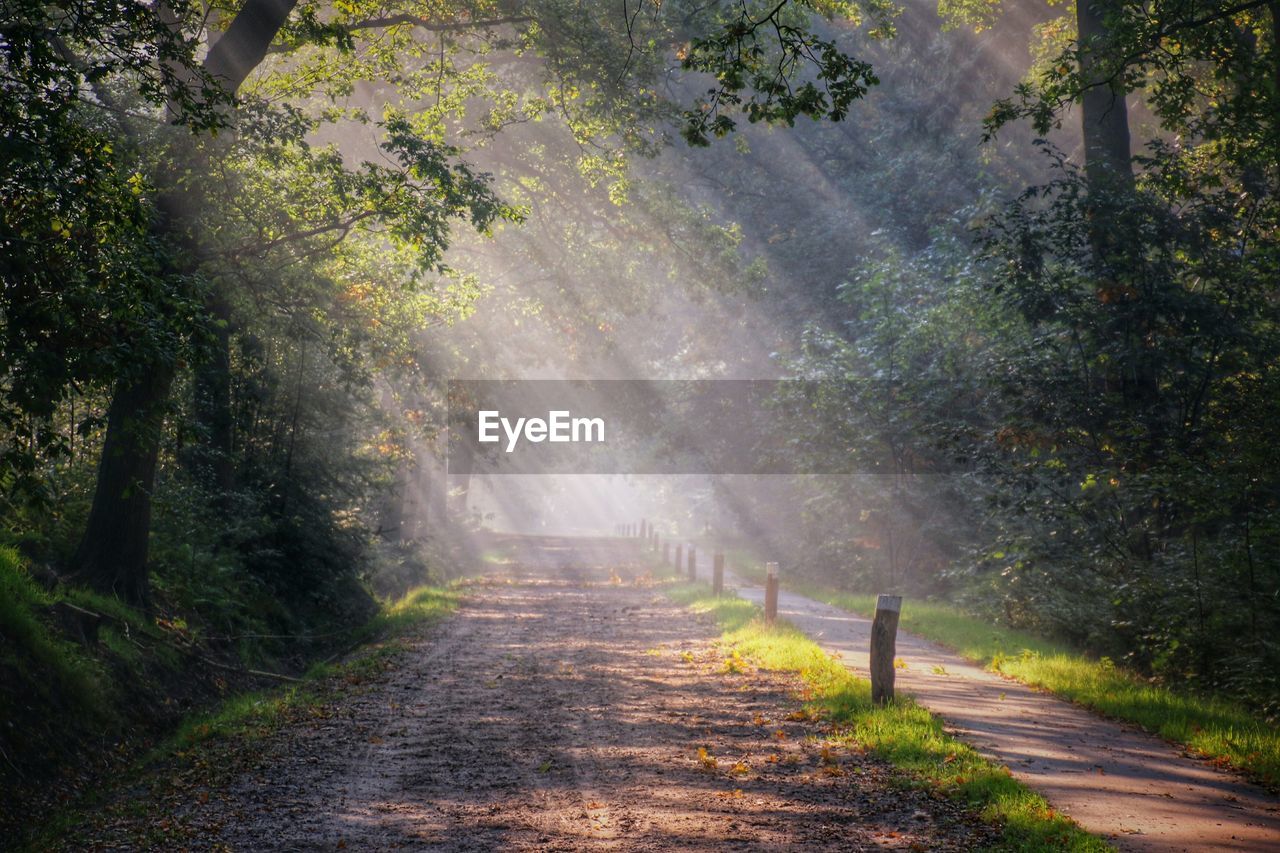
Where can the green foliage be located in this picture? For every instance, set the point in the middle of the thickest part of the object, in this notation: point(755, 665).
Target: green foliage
point(1066, 422)
point(763, 51)
point(1071, 422)
point(1180, 57)
point(1128, 426)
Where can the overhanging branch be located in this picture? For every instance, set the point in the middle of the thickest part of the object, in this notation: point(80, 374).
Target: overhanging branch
point(435, 26)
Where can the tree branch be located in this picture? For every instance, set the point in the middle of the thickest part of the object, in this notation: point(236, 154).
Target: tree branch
point(1216, 16)
point(245, 43)
point(430, 26)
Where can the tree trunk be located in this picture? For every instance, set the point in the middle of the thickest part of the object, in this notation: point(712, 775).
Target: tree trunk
point(1104, 127)
point(436, 489)
point(1274, 9)
point(392, 523)
point(211, 458)
point(1104, 120)
point(244, 44)
point(1104, 114)
point(231, 59)
point(112, 555)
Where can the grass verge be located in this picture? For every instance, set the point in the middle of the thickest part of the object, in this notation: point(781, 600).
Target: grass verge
point(1225, 732)
point(39, 656)
point(209, 748)
point(253, 715)
point(904, 733)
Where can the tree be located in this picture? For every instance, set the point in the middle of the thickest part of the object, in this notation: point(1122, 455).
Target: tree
point(208, 96)
point(112, 555)
point(1148, 321)
point(421, 193)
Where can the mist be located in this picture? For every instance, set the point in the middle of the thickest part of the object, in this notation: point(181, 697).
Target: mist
point(598, 378)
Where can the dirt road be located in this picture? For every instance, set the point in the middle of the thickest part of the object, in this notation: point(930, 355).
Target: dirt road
point(1113, 779)
point(564, 707)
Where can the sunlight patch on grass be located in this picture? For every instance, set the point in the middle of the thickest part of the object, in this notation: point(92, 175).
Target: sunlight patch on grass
point(904, 733)
point(422, 606)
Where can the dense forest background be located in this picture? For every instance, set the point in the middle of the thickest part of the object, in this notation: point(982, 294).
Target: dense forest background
point(1031, 249)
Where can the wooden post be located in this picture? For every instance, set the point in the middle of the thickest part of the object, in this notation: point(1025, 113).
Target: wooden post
point(884, 636)
point(679, 557)
point(717, 574)
point(693, 564)
point(771, 592)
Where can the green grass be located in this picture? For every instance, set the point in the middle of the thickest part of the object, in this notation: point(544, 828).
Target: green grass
point(1223, 731)
point(1220, 730)
point(209, 747)
point(253, 715)
point(44, 660)
point(903, 733)
point(109, 605)
point(421, 606)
